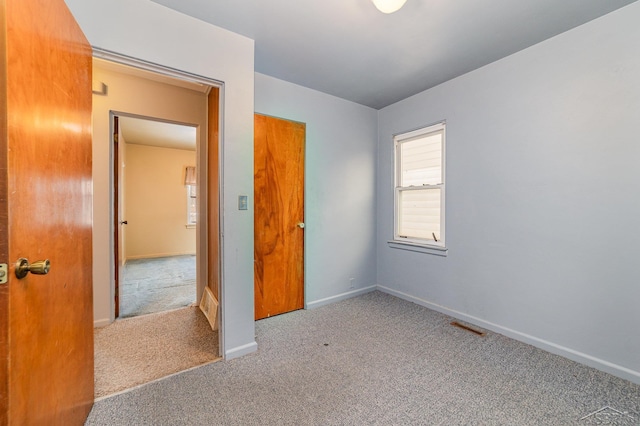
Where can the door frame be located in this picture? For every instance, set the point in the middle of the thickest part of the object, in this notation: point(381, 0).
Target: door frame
point(118, 193)
point(201, 164)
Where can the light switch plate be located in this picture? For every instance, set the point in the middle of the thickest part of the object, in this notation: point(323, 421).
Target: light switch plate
point(242, 202)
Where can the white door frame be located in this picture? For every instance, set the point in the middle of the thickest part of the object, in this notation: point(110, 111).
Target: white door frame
point(201, 155)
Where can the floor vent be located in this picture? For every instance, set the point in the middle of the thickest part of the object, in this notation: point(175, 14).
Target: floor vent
point(209, 307)
point(466, 327)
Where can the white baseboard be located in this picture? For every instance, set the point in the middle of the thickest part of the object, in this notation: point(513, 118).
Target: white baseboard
point(600, 364)
point(339, 297)
point(155, 255)
point(240, 351)
point(101, 323)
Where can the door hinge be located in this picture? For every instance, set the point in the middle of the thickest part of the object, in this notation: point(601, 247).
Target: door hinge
point(4, 273)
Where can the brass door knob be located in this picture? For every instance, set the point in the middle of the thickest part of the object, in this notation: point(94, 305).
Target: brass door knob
point(40, 267)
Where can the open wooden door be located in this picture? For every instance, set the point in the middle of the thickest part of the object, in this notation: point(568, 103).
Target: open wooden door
point(213, 188)
point(46, 319)
point(278, 215)
point(119, 222)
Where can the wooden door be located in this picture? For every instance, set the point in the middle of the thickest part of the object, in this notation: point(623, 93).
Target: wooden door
point(119, 223)
point(213, 192)
point(46, 321)
point(278, 215)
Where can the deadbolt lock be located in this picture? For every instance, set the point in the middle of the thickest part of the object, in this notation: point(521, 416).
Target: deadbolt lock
point(40, 267)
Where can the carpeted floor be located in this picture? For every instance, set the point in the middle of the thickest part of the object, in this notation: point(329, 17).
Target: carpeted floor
point(138, 350)
point(157, 284)
point(376, 359)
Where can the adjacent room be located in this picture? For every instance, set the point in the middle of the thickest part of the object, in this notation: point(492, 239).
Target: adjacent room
point(149, 126)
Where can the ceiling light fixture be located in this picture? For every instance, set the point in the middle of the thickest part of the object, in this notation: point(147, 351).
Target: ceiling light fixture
point(388, 6)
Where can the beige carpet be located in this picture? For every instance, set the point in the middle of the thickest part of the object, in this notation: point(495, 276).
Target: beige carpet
point(134, 351)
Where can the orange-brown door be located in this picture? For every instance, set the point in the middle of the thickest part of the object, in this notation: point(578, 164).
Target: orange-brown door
point(278, 215)
point(213, 196)
point(118, 224)
point(46, 321)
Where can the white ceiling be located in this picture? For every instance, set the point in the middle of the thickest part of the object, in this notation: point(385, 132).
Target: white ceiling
point(349, 49)
point(142, 131)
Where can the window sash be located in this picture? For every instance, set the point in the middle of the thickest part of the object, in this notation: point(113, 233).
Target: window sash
point(419, 186)
point(420, 160)
point(419, 214)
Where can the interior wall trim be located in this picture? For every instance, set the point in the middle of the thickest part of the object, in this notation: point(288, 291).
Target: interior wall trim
point(109, 55)
point(582, 358)
point(339, 297)
point(239, 351)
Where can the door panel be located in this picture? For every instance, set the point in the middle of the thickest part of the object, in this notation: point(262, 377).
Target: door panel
point(278, 215)
point(46, 325)
point(213, 196)
point(118, 208)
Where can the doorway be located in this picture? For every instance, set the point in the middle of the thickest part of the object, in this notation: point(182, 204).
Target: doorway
point(130, 93)
point(155, 190)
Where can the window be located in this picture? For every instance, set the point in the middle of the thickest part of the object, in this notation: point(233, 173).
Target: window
point(191, 205)
point(190, 182)
point(419, 186)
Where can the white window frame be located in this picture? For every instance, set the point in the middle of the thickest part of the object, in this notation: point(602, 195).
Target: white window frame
point(413, 242)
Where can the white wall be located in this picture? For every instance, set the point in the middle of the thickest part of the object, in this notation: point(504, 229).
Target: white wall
point(340, 161)
point(156, 202)
point(543, 180)
point(145, 30)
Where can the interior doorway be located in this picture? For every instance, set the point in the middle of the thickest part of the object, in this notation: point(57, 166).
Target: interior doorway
point(128, 94)
point(155, 194)
point(139, 91)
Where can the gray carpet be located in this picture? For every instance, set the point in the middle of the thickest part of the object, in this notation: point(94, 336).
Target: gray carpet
point(134, 351)
point(376, 359)
point(157, 284)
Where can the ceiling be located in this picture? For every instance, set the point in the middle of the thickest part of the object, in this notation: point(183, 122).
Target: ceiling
point(349, 49)
point(140, 131)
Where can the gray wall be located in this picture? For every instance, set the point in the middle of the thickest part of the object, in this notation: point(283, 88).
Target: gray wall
point(543, 196)
point(340, 166)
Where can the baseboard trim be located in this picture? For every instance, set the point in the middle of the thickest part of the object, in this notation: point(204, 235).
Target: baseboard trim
point(101, 323)
point(239, 351)
point(339, 297)
point(156, 255)
point(582, 358)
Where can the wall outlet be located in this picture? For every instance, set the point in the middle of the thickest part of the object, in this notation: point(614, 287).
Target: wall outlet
point(352, 282)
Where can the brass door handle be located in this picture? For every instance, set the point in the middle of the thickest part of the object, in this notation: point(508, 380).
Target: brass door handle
point(40, 267)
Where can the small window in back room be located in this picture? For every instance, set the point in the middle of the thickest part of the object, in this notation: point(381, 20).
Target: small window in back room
point(191, 205)
point(419, 186)
point(190, 184)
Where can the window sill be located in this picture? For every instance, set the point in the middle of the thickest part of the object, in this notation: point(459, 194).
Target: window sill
point(420, 248)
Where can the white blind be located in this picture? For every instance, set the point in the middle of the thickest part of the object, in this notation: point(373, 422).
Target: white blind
point(190, 176)
point(421, 160)
point(419, 213)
